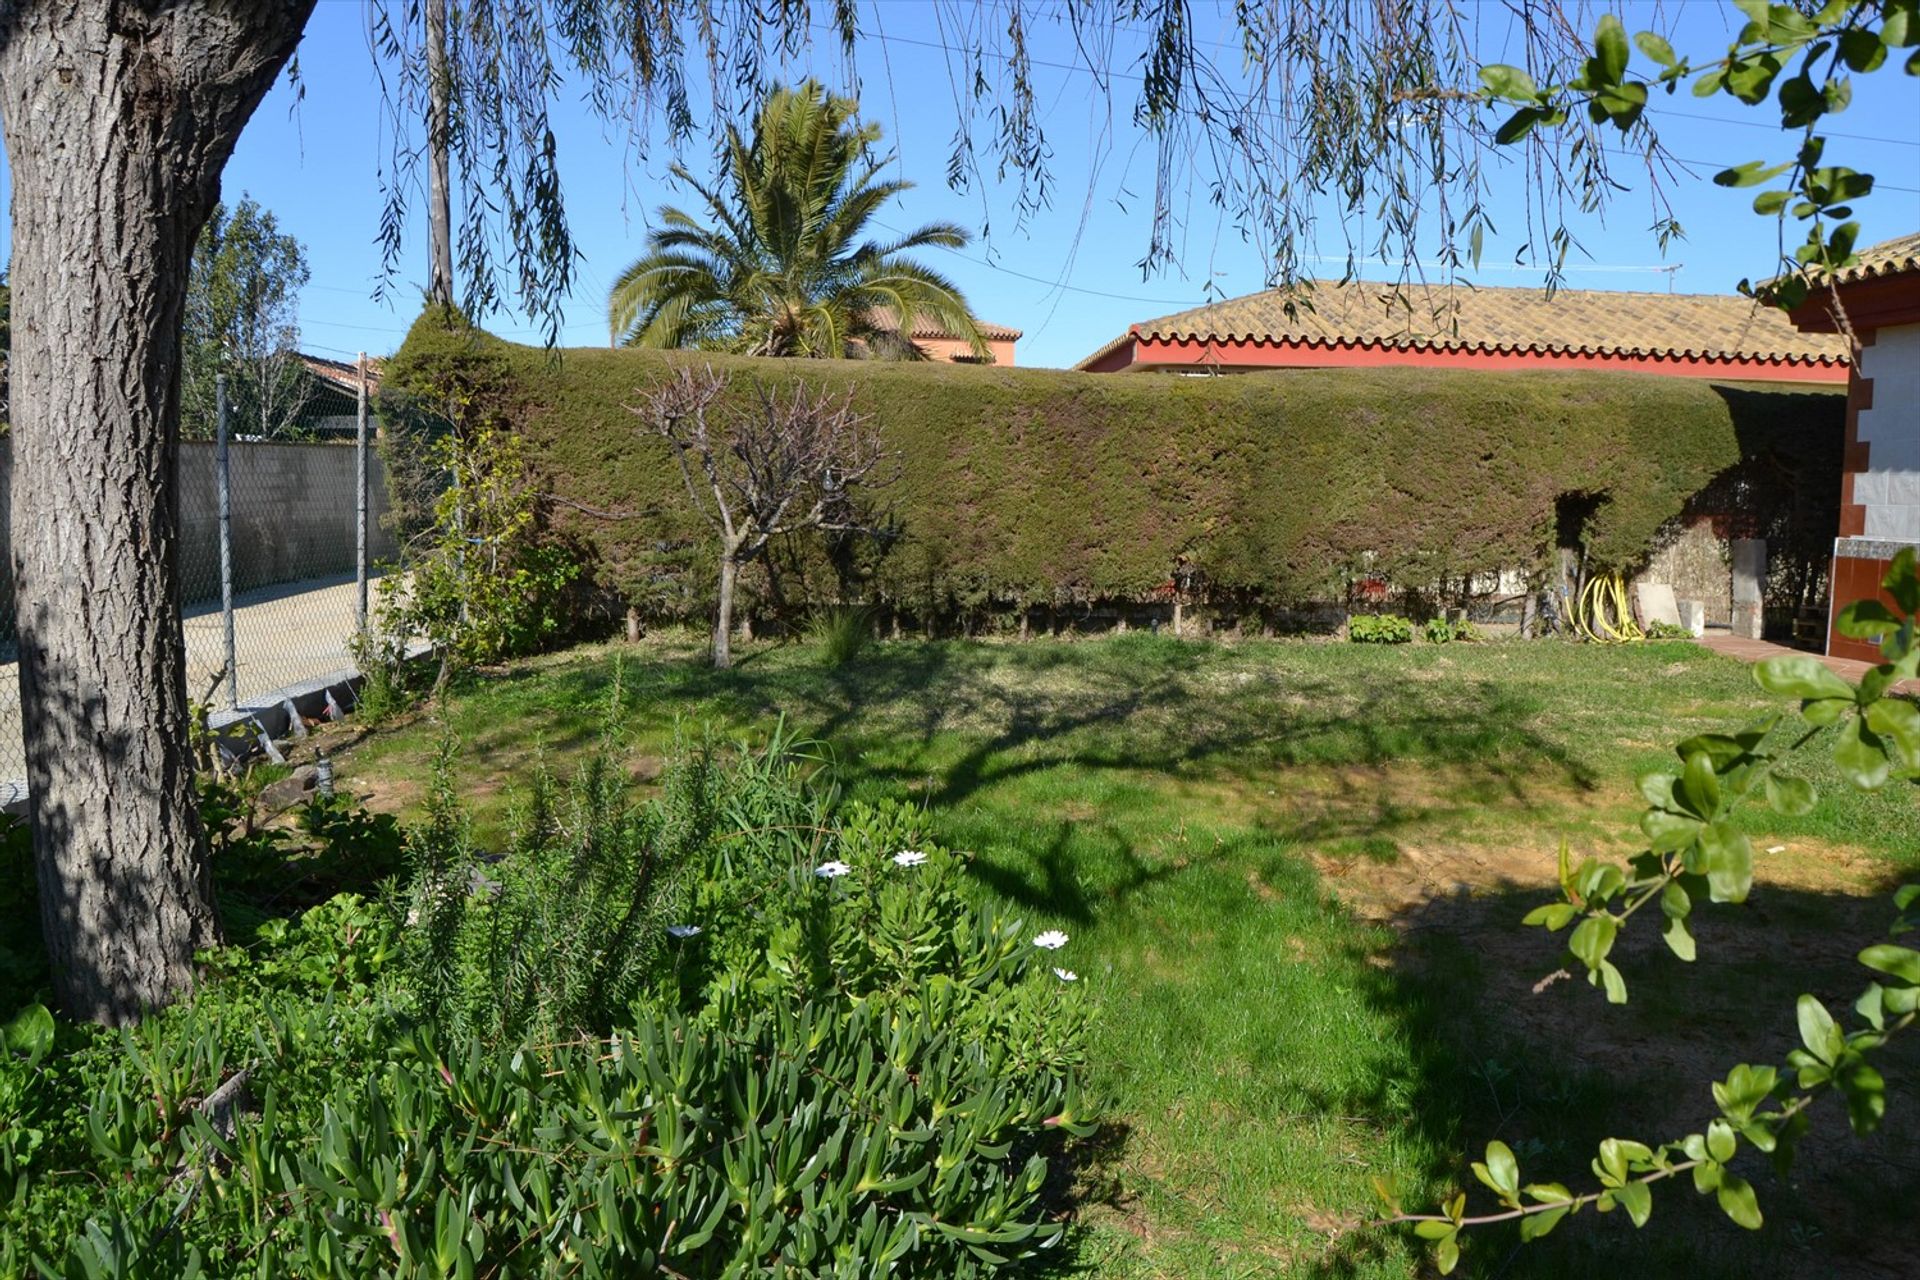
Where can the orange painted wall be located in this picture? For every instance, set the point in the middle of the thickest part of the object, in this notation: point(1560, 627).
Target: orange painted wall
point(1855, 578)
point(953, 349)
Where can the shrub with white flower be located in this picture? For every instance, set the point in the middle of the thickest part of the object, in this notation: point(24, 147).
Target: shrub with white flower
point(909, 858)
point(683, 930)
point(1066, 975)
point(1051, 940)
point(832, 870)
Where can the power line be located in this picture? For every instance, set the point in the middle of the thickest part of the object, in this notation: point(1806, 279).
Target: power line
point(321, 346)
point(1717, 164)
point(1772, 128)
point(1070, 288)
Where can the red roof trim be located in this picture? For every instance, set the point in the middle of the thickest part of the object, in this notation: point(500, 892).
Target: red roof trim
point(1500, 348)
point(1131, 353)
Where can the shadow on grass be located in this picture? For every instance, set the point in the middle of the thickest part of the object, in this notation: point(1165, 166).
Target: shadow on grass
point(1076, 769)
point(1553, 1071)
point(1160, 705)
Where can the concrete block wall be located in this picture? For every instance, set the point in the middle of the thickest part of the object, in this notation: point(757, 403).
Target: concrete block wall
point(293, 517)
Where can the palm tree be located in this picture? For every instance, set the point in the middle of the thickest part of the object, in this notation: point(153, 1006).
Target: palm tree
point(783, 271)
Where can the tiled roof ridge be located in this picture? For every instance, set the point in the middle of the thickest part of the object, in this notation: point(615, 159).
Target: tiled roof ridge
point(1419, 342)
point(343, 373)
point(924, 327)
point(1499, 319)
point(1888, 258)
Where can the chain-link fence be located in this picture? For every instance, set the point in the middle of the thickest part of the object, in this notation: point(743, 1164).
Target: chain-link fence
point(282, 541)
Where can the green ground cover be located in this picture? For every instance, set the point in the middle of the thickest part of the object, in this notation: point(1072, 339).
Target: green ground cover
point(1292, 875)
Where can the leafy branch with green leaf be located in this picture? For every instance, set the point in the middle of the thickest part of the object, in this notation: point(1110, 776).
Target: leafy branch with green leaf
point(1694, 850)
point(1801, 57)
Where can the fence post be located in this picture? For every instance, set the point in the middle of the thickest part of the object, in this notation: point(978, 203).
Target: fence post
point(360, 510)
point(224, 490)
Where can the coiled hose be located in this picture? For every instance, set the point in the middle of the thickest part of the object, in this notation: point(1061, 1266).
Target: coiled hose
point(1604, 614)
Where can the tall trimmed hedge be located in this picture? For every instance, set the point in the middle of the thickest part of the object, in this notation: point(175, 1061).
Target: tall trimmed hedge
point(1030, 486)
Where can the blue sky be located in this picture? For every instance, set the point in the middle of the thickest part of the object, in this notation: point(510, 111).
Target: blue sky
point(1069, 284)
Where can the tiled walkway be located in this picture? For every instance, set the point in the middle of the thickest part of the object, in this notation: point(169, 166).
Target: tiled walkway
point(1754, 650)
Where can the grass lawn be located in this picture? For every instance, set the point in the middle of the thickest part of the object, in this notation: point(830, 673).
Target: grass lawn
point(1293, 874)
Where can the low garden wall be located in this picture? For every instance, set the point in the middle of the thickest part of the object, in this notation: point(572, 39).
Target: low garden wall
point(1263, 494)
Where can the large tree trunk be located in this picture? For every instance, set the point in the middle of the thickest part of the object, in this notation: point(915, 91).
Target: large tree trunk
point(439, 141)
point(118, 119)
point(723, 625)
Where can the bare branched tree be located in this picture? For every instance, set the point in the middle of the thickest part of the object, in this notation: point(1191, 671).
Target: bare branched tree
point(778, 465)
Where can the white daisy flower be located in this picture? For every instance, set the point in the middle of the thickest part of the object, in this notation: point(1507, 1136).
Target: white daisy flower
point(1066, 975)
point(1051, 940)
point(909, 858)
point(831, 870)
point(684, 930)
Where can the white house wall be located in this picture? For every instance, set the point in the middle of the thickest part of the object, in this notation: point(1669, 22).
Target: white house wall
point(1890, 487)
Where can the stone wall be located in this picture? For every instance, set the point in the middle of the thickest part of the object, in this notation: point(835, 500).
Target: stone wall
point(1694, 563)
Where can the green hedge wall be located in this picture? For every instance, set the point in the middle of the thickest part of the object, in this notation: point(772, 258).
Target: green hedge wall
point(1031, 486)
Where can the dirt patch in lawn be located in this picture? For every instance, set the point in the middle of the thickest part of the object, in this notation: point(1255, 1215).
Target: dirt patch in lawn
point(1522, 999)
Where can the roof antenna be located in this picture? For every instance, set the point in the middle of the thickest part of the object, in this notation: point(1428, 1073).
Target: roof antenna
point(1670, 273)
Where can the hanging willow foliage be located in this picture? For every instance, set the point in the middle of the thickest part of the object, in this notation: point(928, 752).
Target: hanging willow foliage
point(1364, 113)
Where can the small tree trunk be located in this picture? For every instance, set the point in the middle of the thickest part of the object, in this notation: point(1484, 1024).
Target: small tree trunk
point(723, 624)
point(118, 120)
point(633, 624)
point(439, 142)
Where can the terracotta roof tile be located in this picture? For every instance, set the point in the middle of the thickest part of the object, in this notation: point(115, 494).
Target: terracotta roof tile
point(1464, 318)
point(1888, 258)
point(343, 373)
point(925, 327)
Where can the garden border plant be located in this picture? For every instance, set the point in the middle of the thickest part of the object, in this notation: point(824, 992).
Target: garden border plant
point(742, 1028)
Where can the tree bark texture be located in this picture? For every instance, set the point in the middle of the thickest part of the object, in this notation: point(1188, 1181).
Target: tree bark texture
point(439, 142)
point(723, 625)
point(119, 116)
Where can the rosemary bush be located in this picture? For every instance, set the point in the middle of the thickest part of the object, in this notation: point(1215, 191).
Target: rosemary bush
point(735, 1030)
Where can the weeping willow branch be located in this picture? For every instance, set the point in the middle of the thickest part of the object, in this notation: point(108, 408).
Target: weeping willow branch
point(1364, 114)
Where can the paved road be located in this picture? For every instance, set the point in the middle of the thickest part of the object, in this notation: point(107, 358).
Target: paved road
point(282, 635)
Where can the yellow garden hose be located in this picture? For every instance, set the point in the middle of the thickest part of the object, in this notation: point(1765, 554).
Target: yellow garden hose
point(1604, 614)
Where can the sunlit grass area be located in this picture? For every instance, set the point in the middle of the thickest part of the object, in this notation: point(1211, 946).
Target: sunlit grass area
point(1293, 873)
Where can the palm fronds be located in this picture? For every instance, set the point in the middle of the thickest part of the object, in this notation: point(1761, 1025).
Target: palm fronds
point(780, 266)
